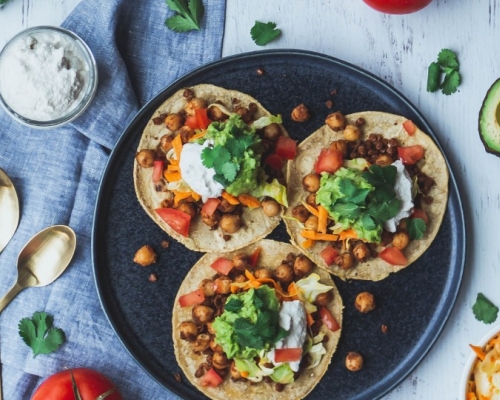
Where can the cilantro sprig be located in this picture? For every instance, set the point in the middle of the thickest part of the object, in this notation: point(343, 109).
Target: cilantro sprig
point(189, 14)
point(38, 333)
point(484, 310)
point(263, 33)
point(416, 228)
point(444, 73)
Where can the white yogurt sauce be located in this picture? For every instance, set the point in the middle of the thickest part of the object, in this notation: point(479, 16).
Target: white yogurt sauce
point(43, 76)
point(293, 318)
point(402, 187)
point(195, 174)
point(487, 376)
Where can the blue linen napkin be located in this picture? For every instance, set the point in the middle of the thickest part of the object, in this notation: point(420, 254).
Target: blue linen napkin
point(57, 173)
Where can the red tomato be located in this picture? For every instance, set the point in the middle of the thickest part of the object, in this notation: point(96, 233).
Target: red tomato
point(328, 319)
point(419, 213)
point(410, 154)
point(274, 161)
point(397, 6)
point(286, 147)
point(202, 118)
point(210, 206)
point(328, 161)
point(192, 122)
point(177, 220)
point(211, 378)
point(329, 253)
point(90, 385)
point(393, 256)
point(190, 299)
point(287, 355)
point(410, 127)
point(222, 265)
point(157, 171)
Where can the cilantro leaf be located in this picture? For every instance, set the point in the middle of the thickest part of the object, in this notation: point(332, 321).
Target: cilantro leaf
point(433, 77)
point(444, 73)
point(349, 210)
point(447, 59)
point(229, 170)
point(450, 83)
point(484, 310)
point(39, 334)
point(263, 33)
point(416, 228)
point(233, 305)
point(188, 17)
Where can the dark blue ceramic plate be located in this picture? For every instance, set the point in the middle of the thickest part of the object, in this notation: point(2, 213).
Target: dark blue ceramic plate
point(414, 304)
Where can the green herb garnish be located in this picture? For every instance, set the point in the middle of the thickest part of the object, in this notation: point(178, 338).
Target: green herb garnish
point(484, 310)
point(263, 33)
point(39, 334)
point(444, 73)
point(416, 228)
point(188, 17)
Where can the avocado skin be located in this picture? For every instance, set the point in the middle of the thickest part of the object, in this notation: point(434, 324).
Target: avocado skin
point(489, 128)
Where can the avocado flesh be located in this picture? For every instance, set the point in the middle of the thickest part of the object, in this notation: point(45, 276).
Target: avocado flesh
point(489, 117)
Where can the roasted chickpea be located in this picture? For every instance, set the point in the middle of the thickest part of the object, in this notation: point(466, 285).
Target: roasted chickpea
point(187, 208)
point(230, 223)
point(271, 207)
point(336, 121)
point(302, 266)
point(216, 114)
point(202, 314)
point(400, 240)
point(166, 142)
point(145, 256)
point(323, 299)
point(383, 160)
point(193, 104)
point(186, 134)
point(241, 261)
point(225, 206)
point(188, 331)
point(210, 220)
point(245, 114)
point(301, 113)
point(208, 287)
point(351, 133)
point(311, 223)
point(310, 183)
point(223, 285)
point(262, 273)
point(339, 145)
point(145, 158)
point(311, 199)
point(240, 279)
point(220, 361)
point(300, 213)
point(235, 374)
point(361, 251)
point(354, 361)
point(201, 343)
point(174, 121)
point(284, 274)
point(365, 302)
point(216, 348)
point(345, 260)
point(210, 328)
point(272, 132)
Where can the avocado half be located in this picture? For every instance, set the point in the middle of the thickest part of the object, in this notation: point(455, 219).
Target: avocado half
point(489, 118)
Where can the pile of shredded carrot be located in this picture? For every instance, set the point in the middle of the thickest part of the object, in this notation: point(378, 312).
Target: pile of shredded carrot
point(481, 355)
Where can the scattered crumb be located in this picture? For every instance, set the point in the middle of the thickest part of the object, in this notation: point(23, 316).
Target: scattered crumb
point(165, 244)
point(384, 328)
point(333, 92)
point(329, 104)
point(260, 71)
point(177, 377)
point(152, 278)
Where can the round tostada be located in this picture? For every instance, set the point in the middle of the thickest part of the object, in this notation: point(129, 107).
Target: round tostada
point(262, 322)
point(367, 193)
point(200, 170)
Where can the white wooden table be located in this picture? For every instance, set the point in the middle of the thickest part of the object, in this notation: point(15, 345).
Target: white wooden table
point(398, 49)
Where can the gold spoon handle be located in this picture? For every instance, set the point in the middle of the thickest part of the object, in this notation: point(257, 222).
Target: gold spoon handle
point(5, 300)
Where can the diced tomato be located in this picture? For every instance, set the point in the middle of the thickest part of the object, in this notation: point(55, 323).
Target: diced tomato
point(329, 253)
point(222, 265)
point(177, 220)
point(192, 122)
point(195, 297)
point(286, 147)
point(274, 161)
point(329, 161)
point(410, 127)
point(287, 355)
point(254, 257)
point(410, 154)
point(157, 171)
point(210, 206)
point(328, 319)
point(393, 256)
point(202, 118)
point(211, 379)
point(419, 213)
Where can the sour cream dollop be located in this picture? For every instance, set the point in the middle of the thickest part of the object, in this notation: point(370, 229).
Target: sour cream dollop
point(195, 174)
point(487, 375)
point(402, 187)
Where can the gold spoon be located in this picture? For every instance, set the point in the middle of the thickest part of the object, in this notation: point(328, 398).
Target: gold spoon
point(9, 209)
point(43, 259)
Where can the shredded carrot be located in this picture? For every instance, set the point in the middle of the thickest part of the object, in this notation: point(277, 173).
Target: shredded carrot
point(173, 168)
point(494, 341)
point(310, 320)
point(230, 198)
point(348, 234)
point(171, 176)
point(330, 237)
point(322, 219)
point(244, 374)
point(178, 196)
point(471, 396)
point(249, 275)
point(307, 244)
point(249, 200)
point(198, 135)
point(311, 209)
point(195, 196)
point(479, 352)
point(177, 145)
point(173, 161)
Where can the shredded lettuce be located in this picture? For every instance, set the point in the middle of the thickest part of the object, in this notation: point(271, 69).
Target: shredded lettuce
point(273, 189)
point(315, 354)
point(310, 287)
point(262, 122)
point(282, 374)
